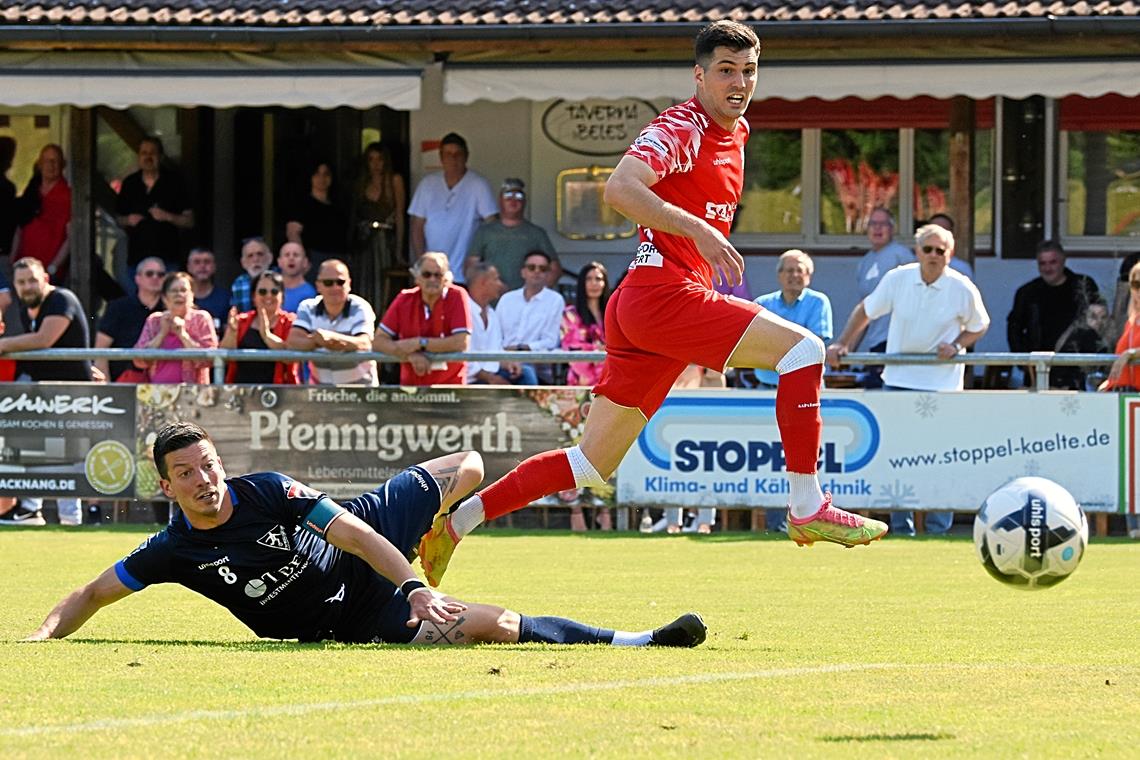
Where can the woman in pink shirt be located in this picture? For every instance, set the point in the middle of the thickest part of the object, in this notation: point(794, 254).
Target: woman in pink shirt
point(179, 325)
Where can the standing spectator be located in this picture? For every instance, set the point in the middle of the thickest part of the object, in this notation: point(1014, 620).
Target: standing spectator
point(946, 222)
point(532, 315)
point(52, 318)
point(46, 209)
point(178, 326)
point(429, 318)
point(583, 322)
point(153, 206)
point(255, 259)
point(935, 310)
point(294, 264)
point(484, 286)
point(8, 207)
point(506, 240)
point(339, 321)
point(202, 267)
point(884, 255)
point(123, 321)
point(378, 220)
point(448, 206)
point(1044, 307)
point(799, 304)
point(317, 221)
point(264, 328)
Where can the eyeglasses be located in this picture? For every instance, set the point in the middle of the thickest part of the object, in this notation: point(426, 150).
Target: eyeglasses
point(153, 273)
point(878, 224)
point(514, 195)
point(1135, 284)
point(339, 283)
point(537, 268)
point(934, 249)
point(432, 275)
point(268, 291)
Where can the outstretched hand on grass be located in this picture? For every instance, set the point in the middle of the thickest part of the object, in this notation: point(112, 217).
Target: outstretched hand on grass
point(432, 606)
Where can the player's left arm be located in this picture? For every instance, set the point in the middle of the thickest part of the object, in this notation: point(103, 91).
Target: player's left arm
point(77, 607)
point(353, 535)
point(628, 191)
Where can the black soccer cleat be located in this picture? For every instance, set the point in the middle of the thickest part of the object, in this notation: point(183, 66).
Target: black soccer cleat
point(686, 631)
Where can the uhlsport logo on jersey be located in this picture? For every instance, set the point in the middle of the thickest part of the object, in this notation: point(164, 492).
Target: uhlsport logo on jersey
point(740, 435)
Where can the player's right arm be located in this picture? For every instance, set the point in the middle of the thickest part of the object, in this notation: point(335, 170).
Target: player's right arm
point(628, 191)
point(78, 606)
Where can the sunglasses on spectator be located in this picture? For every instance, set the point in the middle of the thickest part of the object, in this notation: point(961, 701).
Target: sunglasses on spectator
point(537, 267)
point(515, 195)
point(153, 273)
point(331, 283)
point(1135, 284)
point(268, 291)
point(934, 249)
point(429, 275)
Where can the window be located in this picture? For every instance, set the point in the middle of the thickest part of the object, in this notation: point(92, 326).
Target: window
point(1102, 184)
point(860, 172)
point(772, 201)
point(932, 176)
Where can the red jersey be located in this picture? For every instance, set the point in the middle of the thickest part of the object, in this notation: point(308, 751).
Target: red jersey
point(409, 317)
point(700, 168)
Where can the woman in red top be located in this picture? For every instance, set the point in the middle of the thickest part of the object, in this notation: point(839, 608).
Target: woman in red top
point(48, 197)
point(265, 327)
point(1125, 375)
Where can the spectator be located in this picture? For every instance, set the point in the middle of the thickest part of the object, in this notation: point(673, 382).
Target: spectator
point(9, 216)
point(484, 286)
point(338, 321)
point(202, 266)
point(935, 310)
point(264, 328)
point(294, 264)
point(504, 242)
point(152, 207)
point(378, 220)
point(255, 259)
point(583, 322)
point(1085, 336)
point(429, 318)
point(799, 304)
point(317, 221)
point(1044, 307)
point(46, 211)
point(884, 255)
point(178, 326)
point(531, 316)
point(448, 206)
point(1124, 375)
point(52, 318)
point(123, 321)
point(946, 222)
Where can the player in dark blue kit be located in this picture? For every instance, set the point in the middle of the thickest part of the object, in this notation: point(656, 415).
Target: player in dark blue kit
point(291, 563)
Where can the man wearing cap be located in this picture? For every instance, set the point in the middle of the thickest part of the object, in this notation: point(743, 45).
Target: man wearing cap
point(448, 206)
point(503, 242)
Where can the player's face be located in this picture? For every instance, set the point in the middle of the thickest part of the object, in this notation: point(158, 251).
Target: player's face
point(197, 479)
point(725, 88)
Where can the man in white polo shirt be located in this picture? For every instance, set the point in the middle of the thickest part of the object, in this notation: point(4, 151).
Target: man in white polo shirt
point(336, 320)
point(934, 310)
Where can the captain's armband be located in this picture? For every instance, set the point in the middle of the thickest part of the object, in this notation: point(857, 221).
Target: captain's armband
point(321, 516)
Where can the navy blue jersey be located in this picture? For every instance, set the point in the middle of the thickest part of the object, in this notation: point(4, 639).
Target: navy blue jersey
point(270, 566)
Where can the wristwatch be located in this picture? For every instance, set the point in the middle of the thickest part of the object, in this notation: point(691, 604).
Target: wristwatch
point(423, 343)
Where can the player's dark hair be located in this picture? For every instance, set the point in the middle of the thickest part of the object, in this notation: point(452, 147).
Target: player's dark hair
point(175, 437)
point(581, 302)
point(724, 33)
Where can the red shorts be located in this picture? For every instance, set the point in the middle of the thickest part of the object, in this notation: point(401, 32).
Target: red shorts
point(654, 331)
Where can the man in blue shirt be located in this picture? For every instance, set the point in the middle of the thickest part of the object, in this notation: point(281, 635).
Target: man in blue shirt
point(797, 303)
point(291, 563)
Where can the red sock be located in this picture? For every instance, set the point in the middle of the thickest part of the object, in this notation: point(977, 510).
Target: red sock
point(541, 475)
point(797, 414)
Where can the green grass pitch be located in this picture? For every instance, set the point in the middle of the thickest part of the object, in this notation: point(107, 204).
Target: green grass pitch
point(903, 649)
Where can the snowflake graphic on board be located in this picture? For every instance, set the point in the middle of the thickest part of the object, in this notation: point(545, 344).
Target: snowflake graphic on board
point(926, 405)
point(896, 495)
point(1032, 467)
point(1070, 406)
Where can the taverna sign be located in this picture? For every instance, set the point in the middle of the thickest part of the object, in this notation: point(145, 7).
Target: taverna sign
point(596, 127)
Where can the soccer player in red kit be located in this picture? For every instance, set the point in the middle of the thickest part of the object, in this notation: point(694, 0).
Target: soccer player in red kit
point(681, 181)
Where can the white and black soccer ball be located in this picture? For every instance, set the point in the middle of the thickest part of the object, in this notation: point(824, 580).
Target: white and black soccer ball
point(1030, 533)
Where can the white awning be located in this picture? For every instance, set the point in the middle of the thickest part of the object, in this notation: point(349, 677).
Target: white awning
point(218, 79)
point(829, 81)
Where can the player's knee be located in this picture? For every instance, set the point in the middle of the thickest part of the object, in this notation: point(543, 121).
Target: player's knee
point(808, 351)
point(585, 474)
point(493, 624)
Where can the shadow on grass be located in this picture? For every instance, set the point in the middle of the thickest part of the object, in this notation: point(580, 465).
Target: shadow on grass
point(910, 737)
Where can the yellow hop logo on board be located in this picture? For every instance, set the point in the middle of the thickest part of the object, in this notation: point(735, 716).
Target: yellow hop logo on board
point(110, 467)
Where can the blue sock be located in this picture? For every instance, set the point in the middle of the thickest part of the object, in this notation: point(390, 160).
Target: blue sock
point(556, 630)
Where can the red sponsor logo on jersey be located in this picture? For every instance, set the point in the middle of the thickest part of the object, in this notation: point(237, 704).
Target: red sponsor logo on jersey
point(295, 489)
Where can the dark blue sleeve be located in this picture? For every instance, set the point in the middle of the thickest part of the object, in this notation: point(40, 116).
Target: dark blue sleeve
point(287, 499)
point(146, 565)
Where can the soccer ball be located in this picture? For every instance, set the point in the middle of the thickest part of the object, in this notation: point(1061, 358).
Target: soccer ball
point(1030, 533)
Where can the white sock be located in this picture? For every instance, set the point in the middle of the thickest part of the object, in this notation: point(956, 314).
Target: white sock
point(467, 516)
point(627, 639)
point(806, 496)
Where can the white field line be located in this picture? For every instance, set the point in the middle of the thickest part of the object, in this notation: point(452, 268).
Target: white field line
point(201, 716)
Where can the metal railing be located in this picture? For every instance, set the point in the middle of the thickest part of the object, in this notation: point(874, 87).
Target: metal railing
point(1041, 361)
